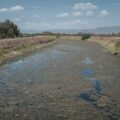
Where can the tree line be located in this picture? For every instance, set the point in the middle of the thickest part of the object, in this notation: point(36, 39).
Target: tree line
point(9, 30)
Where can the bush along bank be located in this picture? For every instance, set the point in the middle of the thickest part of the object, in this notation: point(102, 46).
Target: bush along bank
point(85, 36)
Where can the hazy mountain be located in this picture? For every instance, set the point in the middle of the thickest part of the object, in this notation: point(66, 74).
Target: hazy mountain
point(104, 30)
point(101, 30)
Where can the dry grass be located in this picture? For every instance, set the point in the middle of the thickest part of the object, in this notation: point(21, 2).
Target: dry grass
point(108, 42)
point(21, 42)
point(70, 38)
point(10, 48)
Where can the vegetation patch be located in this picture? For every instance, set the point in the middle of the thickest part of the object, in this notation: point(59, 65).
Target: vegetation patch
point(117, 45)
point(85, 36)
point(9, 30)
point(112, 44)
point(12, 48)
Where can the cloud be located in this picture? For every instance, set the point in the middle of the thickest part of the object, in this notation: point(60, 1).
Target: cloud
point(63, 15)
point(103, 13)
point(85, 6)
point(37, 25)
point(36, 16)
point(83, 10)
point(3, 9)
point(89, 13)
point(71, 24)
point(68, 24)
point(12, 9)
point(17, 19)
point(16, 8)
point(77, 14)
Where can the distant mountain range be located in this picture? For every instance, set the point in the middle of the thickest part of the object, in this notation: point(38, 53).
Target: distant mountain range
point(104, 30)
point(100, 30)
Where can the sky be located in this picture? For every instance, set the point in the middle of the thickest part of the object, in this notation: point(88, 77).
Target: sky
point(43, 15)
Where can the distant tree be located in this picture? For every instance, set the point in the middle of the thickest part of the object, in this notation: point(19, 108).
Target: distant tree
point(85, 36)
point(9, 30)
point(47, 33)
point(10, 33)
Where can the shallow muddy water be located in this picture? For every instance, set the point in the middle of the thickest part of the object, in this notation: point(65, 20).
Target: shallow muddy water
point(71, 80)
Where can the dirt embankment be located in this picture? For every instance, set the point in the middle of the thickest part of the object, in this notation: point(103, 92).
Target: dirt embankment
point(112, 44)
point(11, 48)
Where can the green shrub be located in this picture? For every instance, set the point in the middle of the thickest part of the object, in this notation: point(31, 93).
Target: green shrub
point(117, 45)
point(8, 29)
point(57, 35)
point(85, 36)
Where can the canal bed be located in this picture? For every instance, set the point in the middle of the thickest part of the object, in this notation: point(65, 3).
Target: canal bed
point(71, 80)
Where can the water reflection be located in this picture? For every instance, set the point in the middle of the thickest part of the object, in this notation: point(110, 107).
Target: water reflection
point(87, 61)
point(102, 102)
point(87, 72)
